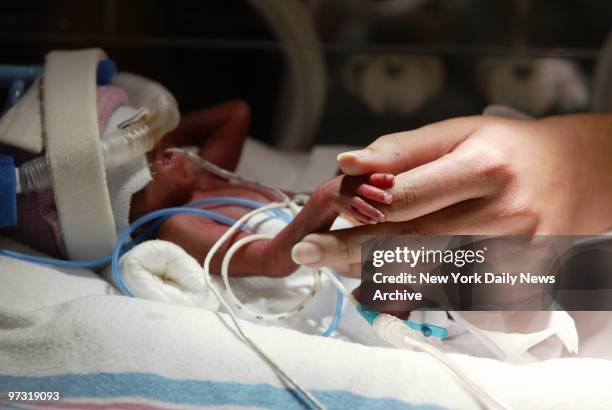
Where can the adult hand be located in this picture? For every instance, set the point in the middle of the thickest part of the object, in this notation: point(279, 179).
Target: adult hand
point(483, 175)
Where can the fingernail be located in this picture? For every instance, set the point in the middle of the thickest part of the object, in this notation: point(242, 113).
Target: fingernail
point(387, 198)
point(305, 253)
point(381, 217)
point(362, 153)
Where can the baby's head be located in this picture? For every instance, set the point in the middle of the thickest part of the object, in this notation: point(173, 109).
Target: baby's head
point(173, 182)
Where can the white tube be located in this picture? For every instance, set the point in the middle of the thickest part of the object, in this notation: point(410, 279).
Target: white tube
point(395, 332)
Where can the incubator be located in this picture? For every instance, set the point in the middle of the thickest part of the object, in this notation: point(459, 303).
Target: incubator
point(157, 115)
point(304, 67)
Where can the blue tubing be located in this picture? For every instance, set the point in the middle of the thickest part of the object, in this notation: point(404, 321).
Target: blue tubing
point(12, 72)
point(159, 216)
point(60, 263)
point(96, 263)
point(147, 218)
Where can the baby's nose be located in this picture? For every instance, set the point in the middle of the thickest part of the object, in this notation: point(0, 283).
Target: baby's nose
point(172, 167)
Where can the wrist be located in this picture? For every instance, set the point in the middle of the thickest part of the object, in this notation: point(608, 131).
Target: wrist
point(594, 156)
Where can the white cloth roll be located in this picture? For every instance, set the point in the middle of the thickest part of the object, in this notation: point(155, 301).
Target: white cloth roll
point(160, 270)
point(74, 153)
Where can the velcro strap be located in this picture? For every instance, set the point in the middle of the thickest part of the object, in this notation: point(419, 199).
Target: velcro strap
point(75, 154)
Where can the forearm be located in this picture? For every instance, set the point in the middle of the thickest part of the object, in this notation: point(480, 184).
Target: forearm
point(589, 160)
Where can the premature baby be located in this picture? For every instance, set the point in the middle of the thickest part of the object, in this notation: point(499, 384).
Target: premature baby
point(219, 133)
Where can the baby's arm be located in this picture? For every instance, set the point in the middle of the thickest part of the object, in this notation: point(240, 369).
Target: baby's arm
point(343, 194)
point(218, 132)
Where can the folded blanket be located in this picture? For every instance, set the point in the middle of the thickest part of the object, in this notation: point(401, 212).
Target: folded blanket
point(162, 271)
point(118, 352)
point(69, 332)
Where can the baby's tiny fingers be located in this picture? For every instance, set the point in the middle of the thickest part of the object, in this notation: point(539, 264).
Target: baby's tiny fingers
point(367, 210)
point(374, 194)
point(360, 218)
point(381, 180)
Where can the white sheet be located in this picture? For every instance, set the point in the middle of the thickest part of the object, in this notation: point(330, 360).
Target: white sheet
point(64, 304)
point(96, 332)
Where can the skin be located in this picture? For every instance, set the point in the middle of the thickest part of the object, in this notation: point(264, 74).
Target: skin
point(486, 175)
point(212, 130)
point(219, 132)
point(473, 175)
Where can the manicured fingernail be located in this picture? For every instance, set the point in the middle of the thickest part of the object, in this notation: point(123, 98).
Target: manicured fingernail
point(362, 153)
point(387, 198)
point(381, 217)
point(305, 253)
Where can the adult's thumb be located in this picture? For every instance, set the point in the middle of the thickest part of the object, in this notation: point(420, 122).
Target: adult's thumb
point(402, 151)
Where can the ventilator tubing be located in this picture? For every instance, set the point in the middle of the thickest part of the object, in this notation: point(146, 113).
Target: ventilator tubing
point(159, 116)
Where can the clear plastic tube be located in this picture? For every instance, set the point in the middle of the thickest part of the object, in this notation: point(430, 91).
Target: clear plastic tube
point(200, 163)
point(122, 146)
point(395, 332)
point(118, 148)
point(33, 176)
point(160, 115)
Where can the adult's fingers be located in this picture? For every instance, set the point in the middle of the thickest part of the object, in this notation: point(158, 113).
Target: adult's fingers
point(399, 152)
point(337, 248)
point(475, 217)
point(449, 180)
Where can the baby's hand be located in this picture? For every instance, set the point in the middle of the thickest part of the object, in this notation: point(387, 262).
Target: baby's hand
point(356, 195)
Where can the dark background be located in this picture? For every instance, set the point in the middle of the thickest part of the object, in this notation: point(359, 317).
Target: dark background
point(209, 51)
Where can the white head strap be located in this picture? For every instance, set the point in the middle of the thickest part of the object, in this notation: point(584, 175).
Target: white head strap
point(72, 141)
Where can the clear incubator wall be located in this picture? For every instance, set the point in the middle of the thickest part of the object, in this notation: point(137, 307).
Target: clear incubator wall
point(390, 65)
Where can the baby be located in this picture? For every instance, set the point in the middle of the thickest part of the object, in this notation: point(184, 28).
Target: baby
point(219, 132)
point(177, 182)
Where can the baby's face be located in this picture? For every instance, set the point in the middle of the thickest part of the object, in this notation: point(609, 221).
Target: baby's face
point(177, 182)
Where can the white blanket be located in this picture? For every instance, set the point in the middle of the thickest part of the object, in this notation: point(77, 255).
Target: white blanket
point(68, 331)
